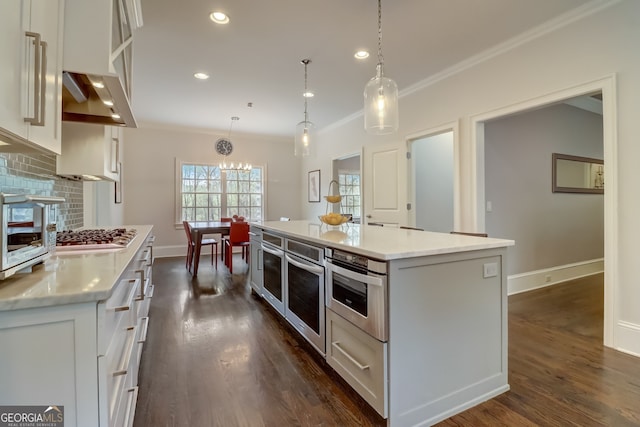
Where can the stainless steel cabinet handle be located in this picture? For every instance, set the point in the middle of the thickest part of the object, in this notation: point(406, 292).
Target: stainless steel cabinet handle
point(123, 370)
point(38, 92)
point(336, 345)
point(43, 84)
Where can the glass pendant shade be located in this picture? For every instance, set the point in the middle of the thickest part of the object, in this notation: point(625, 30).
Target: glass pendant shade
point(381, 105)
point(305, 133)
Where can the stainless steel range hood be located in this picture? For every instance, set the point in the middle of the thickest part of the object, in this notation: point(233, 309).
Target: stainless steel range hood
point(95, 99)
point(98, 53)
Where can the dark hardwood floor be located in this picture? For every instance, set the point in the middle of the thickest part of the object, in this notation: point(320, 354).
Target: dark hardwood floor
point(216, 355)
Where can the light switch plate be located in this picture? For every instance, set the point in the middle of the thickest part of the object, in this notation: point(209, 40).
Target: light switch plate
point(490, 269)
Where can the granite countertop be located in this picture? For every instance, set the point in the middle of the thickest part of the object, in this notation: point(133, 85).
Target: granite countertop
point(68, 277)
point(385, 243)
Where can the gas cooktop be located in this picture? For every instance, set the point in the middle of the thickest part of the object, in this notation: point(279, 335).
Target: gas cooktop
point(101, 238)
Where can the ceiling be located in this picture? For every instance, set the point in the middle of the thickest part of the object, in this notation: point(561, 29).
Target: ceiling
point(255, 58)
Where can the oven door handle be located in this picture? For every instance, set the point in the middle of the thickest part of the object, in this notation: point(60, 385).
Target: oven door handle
point(274, 251)
point(369, 280)
point(315, 269)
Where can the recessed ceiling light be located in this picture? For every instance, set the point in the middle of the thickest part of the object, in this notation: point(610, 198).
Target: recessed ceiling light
point(201, 76)
point(361, 54)
point(108, 103)
point(308, 94)
point(219, 17)
point(115, 116)
point(99, 85)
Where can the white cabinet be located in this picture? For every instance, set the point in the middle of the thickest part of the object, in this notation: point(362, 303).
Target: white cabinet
point(89, 151)
point(360, 359)
point(98, 45)
point(31, 73)
point(82, 356)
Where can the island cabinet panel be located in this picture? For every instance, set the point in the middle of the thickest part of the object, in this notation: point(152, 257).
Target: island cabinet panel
point(448, 334)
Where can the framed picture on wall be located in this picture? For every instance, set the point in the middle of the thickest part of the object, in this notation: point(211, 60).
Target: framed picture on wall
point(118, 184)
point(314, 186)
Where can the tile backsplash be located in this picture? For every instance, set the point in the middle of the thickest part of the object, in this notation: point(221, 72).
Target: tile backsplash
point(35, 173)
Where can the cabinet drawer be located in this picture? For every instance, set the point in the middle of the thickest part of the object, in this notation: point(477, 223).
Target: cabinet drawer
point(360, 359)
point(111, 313)
point(142, 305)
point(118, 362)
point(126, 408)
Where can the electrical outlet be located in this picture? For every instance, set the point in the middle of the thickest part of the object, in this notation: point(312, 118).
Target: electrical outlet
point(490, 270)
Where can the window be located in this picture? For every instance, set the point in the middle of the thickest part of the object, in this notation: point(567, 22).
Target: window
point(349, 185)
point(206, 193)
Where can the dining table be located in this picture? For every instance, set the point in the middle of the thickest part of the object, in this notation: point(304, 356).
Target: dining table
point(198, 229)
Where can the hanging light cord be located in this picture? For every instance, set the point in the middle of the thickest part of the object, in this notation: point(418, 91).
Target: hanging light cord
point(305, 62)
point(380, 59)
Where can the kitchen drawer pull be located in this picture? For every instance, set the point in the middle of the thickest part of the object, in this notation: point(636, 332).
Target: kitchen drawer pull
point(128, 351)
point(133, 398)
point(143, 334)
point(121, 308)
point(336, 345)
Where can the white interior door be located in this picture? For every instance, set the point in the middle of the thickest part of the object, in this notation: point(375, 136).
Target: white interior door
point(384, 183)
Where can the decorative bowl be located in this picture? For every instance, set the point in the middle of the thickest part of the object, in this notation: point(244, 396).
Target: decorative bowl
point(334, 218)
point(333, 199)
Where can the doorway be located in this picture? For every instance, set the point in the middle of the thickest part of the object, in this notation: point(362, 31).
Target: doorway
point(432, 181)
point(606, 87)
point(346, 172)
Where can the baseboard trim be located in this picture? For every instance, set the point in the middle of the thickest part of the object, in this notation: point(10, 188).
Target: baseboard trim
point(627, 338)
point(531, 280)
point(181, 251)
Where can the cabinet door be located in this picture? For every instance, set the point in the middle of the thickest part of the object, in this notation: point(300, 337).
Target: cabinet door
point(13, 21)
point(46, 20)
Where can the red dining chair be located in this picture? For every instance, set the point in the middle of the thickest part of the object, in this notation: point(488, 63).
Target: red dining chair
point(191, 249)
point(238, 236)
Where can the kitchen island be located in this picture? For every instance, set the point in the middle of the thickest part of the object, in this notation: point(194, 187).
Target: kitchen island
point(445, 310)
point(72, 332)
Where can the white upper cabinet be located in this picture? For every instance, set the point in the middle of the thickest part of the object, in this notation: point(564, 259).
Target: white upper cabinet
point(98, 52)
point(31, 74)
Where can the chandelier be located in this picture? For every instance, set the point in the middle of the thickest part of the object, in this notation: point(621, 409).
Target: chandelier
point(305, 129)
point(224, 147)
point(380, 95)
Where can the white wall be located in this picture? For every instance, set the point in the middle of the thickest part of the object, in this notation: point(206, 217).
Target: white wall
point(551, 229)
point(432, 160)
point(149, 176)
point(600, 44)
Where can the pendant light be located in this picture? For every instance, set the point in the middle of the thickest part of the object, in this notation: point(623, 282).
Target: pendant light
point(305, 130)
point(224, 146)
point(380, 95)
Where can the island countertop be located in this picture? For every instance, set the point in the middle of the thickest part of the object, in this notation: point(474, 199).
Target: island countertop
point(384, 243)
point(71, 276)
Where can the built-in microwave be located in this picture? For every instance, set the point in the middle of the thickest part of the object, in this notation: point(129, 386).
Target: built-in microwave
point(26, 226)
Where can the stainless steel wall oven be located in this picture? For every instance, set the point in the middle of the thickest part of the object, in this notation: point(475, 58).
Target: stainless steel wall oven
point(272, 270)
point(26, 227)
point(357, 291)
point(304, 284)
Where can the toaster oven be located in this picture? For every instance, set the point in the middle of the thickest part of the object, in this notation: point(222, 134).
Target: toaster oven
point(26, 227)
